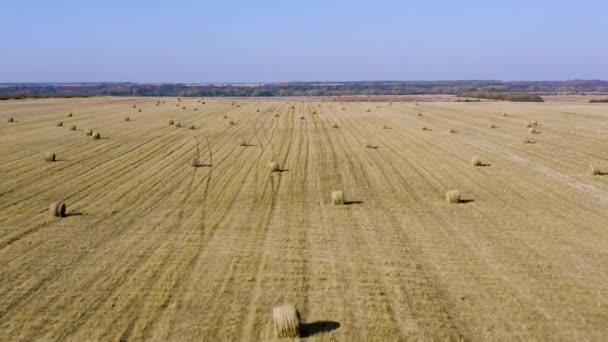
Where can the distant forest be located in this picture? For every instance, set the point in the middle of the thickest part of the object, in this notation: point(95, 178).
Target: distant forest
point(16, 90)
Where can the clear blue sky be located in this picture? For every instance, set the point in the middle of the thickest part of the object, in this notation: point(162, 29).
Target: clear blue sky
point(249, 41)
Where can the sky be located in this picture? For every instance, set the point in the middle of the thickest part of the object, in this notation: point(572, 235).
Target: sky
point(314, 40)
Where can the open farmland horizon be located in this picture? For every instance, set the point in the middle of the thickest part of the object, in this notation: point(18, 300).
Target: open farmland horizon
point(178, 228)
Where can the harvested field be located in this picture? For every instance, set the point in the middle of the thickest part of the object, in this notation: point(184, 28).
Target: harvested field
point(152, 248)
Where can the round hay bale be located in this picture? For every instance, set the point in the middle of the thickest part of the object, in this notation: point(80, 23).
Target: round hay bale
point(73, 128)
point(528, 141)
point(425, 129)
point(89, 132)
point(192, 127)
point(232, 123)
point(419, 114)
point(368, 110)
point(301, 117)
point(476, 161)
point(70, 115)
point(492, 126)
point(139, 110)
point(385, 127)
point(178, 124)
point(134, 106)
point(11, 119)
point(335, 126)
point(369, 145)
point(59, 124)
point(337, 197)
point(96, 135)
point(274, 166)
point(451, 130)
point(276, 115)
point(452, 196)
point(504, 115)
point(127, 118)
point(225, 116)
point(286, 321)
point(49, 156)
point(184, 108)
point(195, 109)
point(170, 122)
point(57, 209)
point(195, 162)
point(243, 142)
point(532, 130)
point(594, 171)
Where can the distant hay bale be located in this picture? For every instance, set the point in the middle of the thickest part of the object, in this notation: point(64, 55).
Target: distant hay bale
point(139, 110)
point(257, 110)
point(195, 162)
point(274, 166)
point(504, 115)
point(225, 116)
point(134, 106)
point(368, 110)
point(335, 126)
point(70, 115)
point(286, 321)
point(532, 130)
point(369, 145)
point(203, 102)
point(532, 123)
point(49, 156)
point(11, 119)
point(232, 123)
point(337, 197)
point(243, 142)
point(492, 126)
point(528, 141)
point(451, 130)
point(276, 115)
point(238, 105)
point(343, 108)
point(452, 196)
point(302, 117)
point(57, 209)
point(476, 161)
point(419, 114)
point(96, 135)
point(184, 108)
point(89, 132)
point(171, 122)
point(127, 118)
point(314, 112)
point(192, 127)
point(59, 124)
point(385, 127)
point(178, 124)
point(73, 128)
point(425, 129)
point(594, 171)
point(195, 109)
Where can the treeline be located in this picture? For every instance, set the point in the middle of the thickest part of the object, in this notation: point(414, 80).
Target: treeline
point(514, 97)
point(9, 96)
point(598, 101)
point(310, 88)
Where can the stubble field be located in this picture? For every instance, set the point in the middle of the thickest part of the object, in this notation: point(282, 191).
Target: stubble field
point(155, 249)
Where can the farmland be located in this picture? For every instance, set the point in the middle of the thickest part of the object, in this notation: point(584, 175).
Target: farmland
point(153, 248)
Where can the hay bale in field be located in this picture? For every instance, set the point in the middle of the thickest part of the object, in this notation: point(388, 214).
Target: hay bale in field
point(96, 135)
point(243, 142)
point(70, 115)
point(195, 109)
point(532, 123)
point(134, 106)
point(171, 122)
point(195, 162)
point(276, 115)
point(451, 130)
point(369, 145)
point(257, 110)
point(232, 123)
point(385, 127)
point(49, 156)
point(532, 130)
point(192, 127)
point(594, 171)
point(528, 141)
point(335, 126)
point(419, 114)
point(286, 321)
point(238, 105)
point(302, 117)
point(424, 129)
point(368, 110)
point(203, 102)
point(89, 132)
point(314, 112)
point(274, 166)
point(476, 161)
point(337, 197)
point(504, 115)
point(452, 196)
point(59, 124)
point(139, 110)
point(178, 124)
point(343, 108)
point(184, 108)
point(57, 209)
point(127, 118)
point(492, 126)
point(73, 128)
point(11, 119)
point(225, 116)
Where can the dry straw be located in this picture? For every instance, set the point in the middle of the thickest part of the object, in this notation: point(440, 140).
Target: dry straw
point(49, 156)
point(274, 166)
point(337, 197)
point(57, 209)
point(452, 196)
point(476, 161)
point(286, 321)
